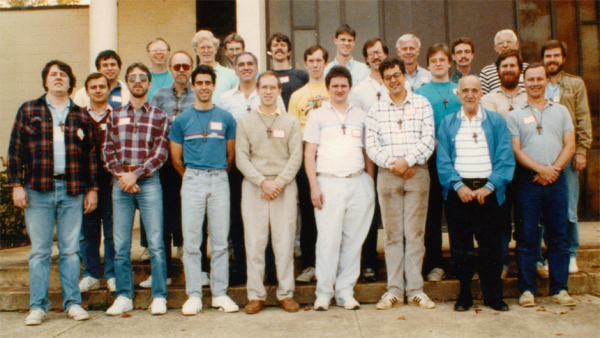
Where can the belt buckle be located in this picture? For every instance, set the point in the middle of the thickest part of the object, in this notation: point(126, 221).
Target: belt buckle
point(477, 184)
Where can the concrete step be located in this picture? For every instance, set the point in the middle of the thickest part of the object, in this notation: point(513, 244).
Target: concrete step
point(13, 298)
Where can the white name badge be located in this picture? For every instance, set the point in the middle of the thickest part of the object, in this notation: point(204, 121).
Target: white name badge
point(103, 126)
point(58, 134)
point(124, 120)
point(556, 99)
point(80, 134)
point(425, 79)
point(410, 111)
point(455, 91)
point(529, 119)
point(284, 79)
point(216, 126)
point(279, 133)
point(116, 98)
point(356, 133)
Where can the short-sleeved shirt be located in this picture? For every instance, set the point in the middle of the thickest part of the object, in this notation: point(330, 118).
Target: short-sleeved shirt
point(340, 151)
point(226, 80)
point(436, 93)
point(501, 103)
point(291, 80)
point(543, 147)
point(199, 151)
point(159, 80)
point(419, 78)
point(307, 99)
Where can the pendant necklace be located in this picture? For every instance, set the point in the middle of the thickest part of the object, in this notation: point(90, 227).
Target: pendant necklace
point(269, 128)
point(442, 96)
point(204, 130)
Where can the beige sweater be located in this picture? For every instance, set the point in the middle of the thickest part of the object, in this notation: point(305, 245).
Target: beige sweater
point(257, 155)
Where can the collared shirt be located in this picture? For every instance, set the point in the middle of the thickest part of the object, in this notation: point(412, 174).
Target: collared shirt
point(472, 152)
point(490, 80)
point(500, 102)
point(166, 99)
point(235, 102)
point(98, 117)
point(413, 139)
point(159, 80)
point(542, 145)
point(30, 154)
point(58, 122)
point(420, 77)
point(226, 80)
point(458, 75)
point(118, 96)
point(369, 91)
point(340, 139)
point(359, 70)
point(99, 122)
point(276, 112)
point(136, 137)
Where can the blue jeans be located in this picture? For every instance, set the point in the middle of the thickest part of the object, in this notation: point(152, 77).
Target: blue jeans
point(534, 200)
point(149, 200)
point(46, 209)
point(205, 192)
point(96, 221)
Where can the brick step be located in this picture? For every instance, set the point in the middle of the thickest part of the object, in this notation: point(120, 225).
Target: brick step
point(17, 297)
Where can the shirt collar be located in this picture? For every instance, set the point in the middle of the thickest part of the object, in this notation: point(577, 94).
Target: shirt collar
point(463, 116)
point(145, 107)
point(519, 91)
point(348, 65)
point(50, 105)
point(277, 112)
point(186, 90)
point(408, 99)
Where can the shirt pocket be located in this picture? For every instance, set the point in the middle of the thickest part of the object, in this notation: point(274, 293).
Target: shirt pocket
point(34, 126)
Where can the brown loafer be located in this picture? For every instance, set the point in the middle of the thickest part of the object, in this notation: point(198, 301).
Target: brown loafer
point(255, 306)
point(289, 304)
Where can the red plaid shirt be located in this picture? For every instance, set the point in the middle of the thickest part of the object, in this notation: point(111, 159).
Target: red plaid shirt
point(136, 140)
point(31, 152)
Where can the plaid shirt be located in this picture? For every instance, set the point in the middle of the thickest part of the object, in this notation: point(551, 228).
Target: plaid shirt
point(166, 100)
point(31, 151)
point(139, 140)
point(413, 139)
point(458, 75)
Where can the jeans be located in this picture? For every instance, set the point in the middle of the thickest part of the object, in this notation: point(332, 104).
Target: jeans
point(534, 200)
point(46, 209)
point(149, 201)
point(94, 224)
point(205, 192)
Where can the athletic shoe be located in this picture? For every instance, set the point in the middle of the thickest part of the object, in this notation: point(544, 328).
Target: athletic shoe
point(542, 271)
point(192, 306)
point(145, 255)
point(35, 317)
point(225, 304)
point(388, 301)
point(563, 299)
point(147, 284)
point(349, 303)
point(322, 304)
point(121, 305)
point(573, 265)
point(436, 275)
point(158, 306)
point(111, 284)
point(421, 300)
point(89, 283)
point(307, 276)
point(78, 313)
point(527, 299)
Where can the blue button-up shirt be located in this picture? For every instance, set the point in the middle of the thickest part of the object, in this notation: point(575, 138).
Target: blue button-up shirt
point(58, 121)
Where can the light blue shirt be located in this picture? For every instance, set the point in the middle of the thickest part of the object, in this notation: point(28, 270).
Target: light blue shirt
point(159, 80)
point(420, 78)
point(226, 80)
point(58, 143)
point(553, 93)
point(359, 70)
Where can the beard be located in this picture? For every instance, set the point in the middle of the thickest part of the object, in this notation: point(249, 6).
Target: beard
point(559, 68)
point(509, 80)
point(139, 92)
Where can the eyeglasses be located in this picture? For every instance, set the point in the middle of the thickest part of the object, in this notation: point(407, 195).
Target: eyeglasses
point(185, 67)
point(377, 52)
point(505, 42)
point(142, 77)
point(396, 76)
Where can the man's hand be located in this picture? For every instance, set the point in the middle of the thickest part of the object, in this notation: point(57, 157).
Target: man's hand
point(20, 197)
point(466, 195)
point(316, 196)
point(271, 189)
point(579, 162)
point(126, 180)
point(547, 174)
point(481, 194)
point(134, 189)
point(90, 201)
point(399, 166)
point(408, 173)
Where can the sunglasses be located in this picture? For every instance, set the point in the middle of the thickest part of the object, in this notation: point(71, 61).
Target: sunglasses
point(142, 77)
point(179, 66)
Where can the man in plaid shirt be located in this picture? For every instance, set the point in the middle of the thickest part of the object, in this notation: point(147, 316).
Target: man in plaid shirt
point(135, 147)
point(51, 166)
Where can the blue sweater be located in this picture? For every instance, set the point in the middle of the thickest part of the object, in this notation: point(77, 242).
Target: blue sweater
point(499, 144)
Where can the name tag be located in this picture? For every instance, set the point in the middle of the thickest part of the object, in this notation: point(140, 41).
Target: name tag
point(410, 111)
point(356, 133)
point(116, 98)
point(284, 79)
point(58, 134)
point(556, 99)
point(216, 126)
point(124, 120)
point(424, 78)
point(80, 134)
point(529, 119)
point(103, 126)
point(278, 133)
point(173, 118)
point(455, 91)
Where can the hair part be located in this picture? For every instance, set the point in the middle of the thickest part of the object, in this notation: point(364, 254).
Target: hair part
point(507, 54)
point(345, 29)
point(312, 49)
point(202, 35)
point(338, 71)
point(391, 63)
point(95, 76)
point(204, 69)
point(234, 37)
point(155, 40)
point(460, 41)
point(269, 73)
point(555, 44)
point(105, 55)
point(141, 67)
point(63, 67)
point(406, 38)
point(439, 47)
point(536, 65)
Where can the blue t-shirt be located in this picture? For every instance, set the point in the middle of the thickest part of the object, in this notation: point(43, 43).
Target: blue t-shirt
point(116, 93)
point(159, 80)
point(200, 151)
point(435, 93)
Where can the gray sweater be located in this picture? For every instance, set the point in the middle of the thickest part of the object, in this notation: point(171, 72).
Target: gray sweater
point(258, 156)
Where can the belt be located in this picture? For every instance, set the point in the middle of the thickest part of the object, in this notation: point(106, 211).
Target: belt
point(358, 173)
point(60, 177)
point(474, 183)
point(130, 168)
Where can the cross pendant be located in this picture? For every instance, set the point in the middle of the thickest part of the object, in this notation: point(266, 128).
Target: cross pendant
point(539, 129)
point(135, 128)
point(269, 132)
point(344, 129)
point(204, 134)
point(248, 109)
point(378, 96)
point(399, 123)
point(62, 126)
point(511, 108)
point(475, 137)
point(446, 103)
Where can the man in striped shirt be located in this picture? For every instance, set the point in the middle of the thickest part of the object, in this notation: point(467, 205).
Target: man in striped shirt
point(399, 139)
point(475, 163)
point(505, 40)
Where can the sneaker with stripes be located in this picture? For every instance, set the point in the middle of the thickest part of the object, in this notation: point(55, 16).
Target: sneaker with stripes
point(388, 301)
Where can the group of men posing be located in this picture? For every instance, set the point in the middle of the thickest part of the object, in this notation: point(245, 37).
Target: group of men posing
point(238, 150)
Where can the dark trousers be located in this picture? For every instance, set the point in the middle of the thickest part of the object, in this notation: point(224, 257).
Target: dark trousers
point(484, 221)
point(308, 229)
point(369, 248)
point(94, 224)
point(433, 226)
point(506, 232)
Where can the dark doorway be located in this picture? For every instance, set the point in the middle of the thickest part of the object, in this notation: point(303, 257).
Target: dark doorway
point(217, 16)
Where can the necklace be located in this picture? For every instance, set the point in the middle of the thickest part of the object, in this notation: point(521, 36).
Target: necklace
point(204, 130)
point(511, 98)
point(442, 96)
point(345, 119)
point(269, 130)
point(539, 124)
point(472, 130)
point(378, 91)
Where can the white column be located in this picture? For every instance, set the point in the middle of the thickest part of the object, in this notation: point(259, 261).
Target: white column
point(103, 28)
point(251, 25)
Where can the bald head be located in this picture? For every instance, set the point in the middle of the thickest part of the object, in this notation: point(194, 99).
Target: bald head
point(469, 93)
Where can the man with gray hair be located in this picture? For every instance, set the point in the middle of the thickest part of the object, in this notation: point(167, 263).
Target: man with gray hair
point(505, 39)
point(206, 46)
point(408, 48)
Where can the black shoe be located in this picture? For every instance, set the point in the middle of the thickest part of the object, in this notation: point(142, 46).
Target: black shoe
point(463, 303)
point(498, 305)
point(368, 275)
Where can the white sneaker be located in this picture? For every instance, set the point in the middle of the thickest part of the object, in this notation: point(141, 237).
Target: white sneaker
point(436, 275)
point(192, 306)
point(121, 305)
point(158, 306)
point(35, 317)
point(147, 284)
point(145, 255)
point(179, 253)
point(322, 304)
point(89, 283)
point(307, 276)
point(422, 301)
point(297, 252)
point(388, 301)
point(349, 303)
point(205, 279)
point(78, 313)
point(111, 284)
point(573, 268)
point(225, 304)
point(527, 299)
point(563, 299)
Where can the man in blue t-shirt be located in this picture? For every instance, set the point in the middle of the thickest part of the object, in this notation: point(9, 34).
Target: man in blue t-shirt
point(204, 136)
